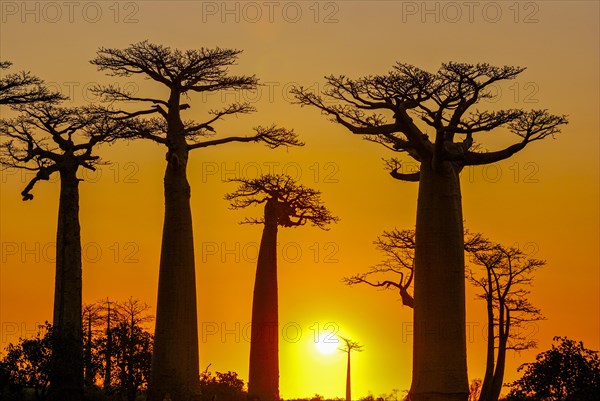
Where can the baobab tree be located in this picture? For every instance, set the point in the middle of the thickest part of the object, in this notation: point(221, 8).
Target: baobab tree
point(23, 88)
point(382, 109)
point(505, 274)
point(348, 347)
point(287, 204)
point(91, 317)
point(49, 139)
point(175, 360)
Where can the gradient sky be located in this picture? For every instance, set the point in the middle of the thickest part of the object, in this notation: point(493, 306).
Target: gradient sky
point(545, 199)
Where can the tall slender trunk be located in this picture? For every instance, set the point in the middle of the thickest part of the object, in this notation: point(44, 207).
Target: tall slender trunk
point(348, 384)
point(67, 360)
point(486, 386)
point(175, 363)
point(88, 378)
point(439, 347)
point(108, 355)
point(263, 382)
point(501, 361)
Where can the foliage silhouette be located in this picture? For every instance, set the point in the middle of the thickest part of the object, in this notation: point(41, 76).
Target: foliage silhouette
point(566, 372)
point(23, 88)
point(287, 204)
point(28, 364)
point(223, 386)
point(175, 360)
point(382, 109)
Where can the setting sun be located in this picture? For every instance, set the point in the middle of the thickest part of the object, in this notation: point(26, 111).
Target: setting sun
point(327, 344)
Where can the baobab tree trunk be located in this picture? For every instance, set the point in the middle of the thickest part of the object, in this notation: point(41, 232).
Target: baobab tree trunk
point(175, 364)
point(263, 383)
point(348, 384)
point(67, 360)
point(439, 347)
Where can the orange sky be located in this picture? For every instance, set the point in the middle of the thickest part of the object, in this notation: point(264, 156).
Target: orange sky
point(545, 197)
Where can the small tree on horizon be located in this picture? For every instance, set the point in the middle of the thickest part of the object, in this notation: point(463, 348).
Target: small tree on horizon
point(348, 347)
point(286, 204)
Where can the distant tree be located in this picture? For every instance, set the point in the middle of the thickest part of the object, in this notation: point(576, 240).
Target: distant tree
point(287, 204)
point(433, 118)
point(46, 139)
point(109, 316)
point(504, 277)
point(223, 386)
point(92, 364)
point(125, 347)
point(23, 88)
point(175, 361)
point(132, 358)
point(28, 364)
point(348, 347)
point(566, 372)
point(475, 390)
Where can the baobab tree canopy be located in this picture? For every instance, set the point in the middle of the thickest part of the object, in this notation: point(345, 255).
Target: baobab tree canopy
point(201, 70)
point(444, 101)
point(297, 204)
point(23, 88)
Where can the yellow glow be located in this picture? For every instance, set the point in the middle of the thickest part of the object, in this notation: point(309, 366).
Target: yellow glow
point(327, 343)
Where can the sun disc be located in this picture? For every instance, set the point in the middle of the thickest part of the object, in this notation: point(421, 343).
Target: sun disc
point(327, 344)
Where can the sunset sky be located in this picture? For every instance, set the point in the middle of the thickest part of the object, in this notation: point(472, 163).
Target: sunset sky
point(544, 200)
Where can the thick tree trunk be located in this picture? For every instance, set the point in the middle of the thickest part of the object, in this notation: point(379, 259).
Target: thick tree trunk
point(348, 384)
point(67, 360)
point(263, 383)
point(175, 364)
point(439, 347)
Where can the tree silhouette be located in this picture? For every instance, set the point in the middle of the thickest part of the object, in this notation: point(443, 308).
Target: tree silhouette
point(568, 371)
point(381, 108)
point(48, 139)
point(131, 348)
point(287, 204)
point(175, 360)
point(348, 347)
point(506, 274)
point(23, 88)
point(28, 364)
point(91, 318)
point(396, 271)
